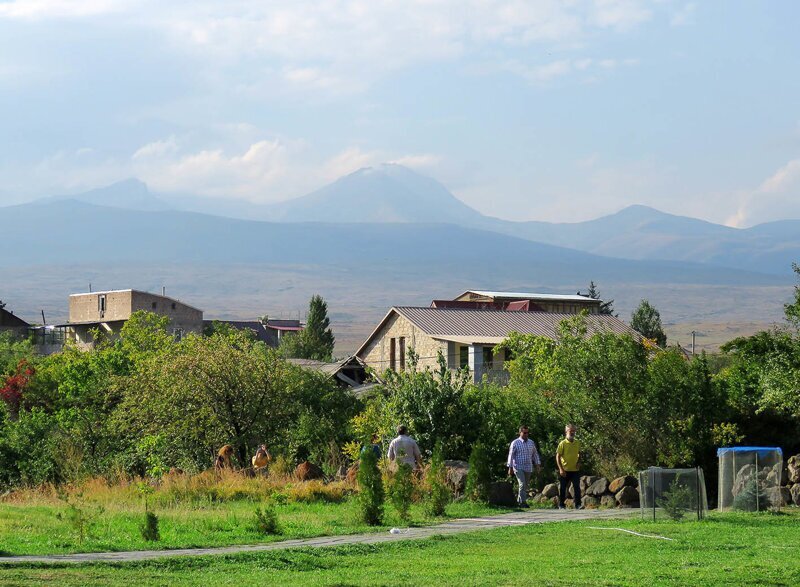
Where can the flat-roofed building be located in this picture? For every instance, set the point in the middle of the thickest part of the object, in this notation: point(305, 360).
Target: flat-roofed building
point(108, 311)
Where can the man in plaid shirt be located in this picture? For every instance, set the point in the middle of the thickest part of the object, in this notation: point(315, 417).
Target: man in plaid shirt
point(522, 457)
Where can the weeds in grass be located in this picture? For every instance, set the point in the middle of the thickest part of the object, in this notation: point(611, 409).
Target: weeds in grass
point(80, 516)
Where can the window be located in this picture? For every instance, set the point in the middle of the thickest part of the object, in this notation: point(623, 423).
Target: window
point(463, 356)
point(173, 305)
point(178, 333)
point(101, 303)
point(392, 364)
point(488, 357)
point(402, 353)
point(509, 355)
point(154, 305)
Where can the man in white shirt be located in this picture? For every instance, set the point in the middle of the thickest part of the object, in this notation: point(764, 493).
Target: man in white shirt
point(404, 449)
point(522, 457)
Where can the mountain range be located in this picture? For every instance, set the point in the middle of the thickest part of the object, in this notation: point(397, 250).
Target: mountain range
point(392, 194)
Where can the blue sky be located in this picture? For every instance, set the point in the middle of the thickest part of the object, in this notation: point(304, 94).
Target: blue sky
point(534, 109)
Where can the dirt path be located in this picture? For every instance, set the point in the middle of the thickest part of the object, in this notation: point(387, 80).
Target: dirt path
point(451, 527)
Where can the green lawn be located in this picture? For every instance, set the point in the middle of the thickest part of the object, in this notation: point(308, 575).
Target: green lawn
point(44, 528)
point(729, 549)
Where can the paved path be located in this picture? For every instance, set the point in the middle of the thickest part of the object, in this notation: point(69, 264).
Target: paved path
point(451, 527)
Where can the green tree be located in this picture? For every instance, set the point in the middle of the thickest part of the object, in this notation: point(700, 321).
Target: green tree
point(316, 340)
point(438, 493)
point(647, 321)
point(479, 477)
point(371, 494)
point(606, 307)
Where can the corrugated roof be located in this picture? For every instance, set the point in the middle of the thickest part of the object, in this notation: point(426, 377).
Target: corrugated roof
point(445, 323)
point(516, 295)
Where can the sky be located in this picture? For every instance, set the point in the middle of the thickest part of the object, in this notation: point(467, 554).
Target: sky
point(558, 110)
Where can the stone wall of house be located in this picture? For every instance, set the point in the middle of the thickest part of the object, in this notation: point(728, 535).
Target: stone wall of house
point(181, 316)
point(86, 307)
point(376, 354)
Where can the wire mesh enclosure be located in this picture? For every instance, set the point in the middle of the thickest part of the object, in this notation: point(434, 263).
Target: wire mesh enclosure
point(676, 494)
point(750, 478)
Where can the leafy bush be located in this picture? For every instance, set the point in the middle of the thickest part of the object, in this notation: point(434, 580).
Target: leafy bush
point(371, 493)
point(266, 520)
point(479, 477)
point(438, 493)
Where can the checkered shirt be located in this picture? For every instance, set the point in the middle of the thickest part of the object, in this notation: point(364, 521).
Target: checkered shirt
point(522, 455)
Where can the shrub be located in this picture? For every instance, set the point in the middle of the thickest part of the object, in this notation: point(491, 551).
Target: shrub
point(371, 494)
point(751, 498)
point(479, 476)
point(438, 493)
point(401, 490)
point(79, 516)
point(676, 501)
point(149, 529)
point(266, 520)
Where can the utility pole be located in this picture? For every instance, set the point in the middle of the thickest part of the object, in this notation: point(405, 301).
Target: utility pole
point(693, 333)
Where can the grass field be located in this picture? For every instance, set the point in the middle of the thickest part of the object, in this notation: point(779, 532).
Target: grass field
point(728, 549)
point(191, 514)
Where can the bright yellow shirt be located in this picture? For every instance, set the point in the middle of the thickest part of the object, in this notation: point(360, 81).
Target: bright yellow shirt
point(567, 452)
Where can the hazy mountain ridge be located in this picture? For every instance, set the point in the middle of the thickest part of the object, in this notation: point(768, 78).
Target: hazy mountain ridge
point(75, 232)
point(392, 193)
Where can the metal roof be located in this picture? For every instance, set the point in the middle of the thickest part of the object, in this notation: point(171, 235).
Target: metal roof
point(516, 295)
point(493, 326)
point(448, 322)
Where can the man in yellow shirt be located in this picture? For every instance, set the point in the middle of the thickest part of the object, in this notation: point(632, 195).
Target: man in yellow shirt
point(568, 458)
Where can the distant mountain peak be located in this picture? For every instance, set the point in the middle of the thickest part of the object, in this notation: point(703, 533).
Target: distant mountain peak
point(131, 193)
point(383, 193)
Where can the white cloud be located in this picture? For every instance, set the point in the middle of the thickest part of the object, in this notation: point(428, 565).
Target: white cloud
point(54, 9)
point(337, 44)
point(777, 197)
point(685, 15)
point(348, 161)
point(782, 179)
point(156, 149)
point(423, 161)
point(543, 74)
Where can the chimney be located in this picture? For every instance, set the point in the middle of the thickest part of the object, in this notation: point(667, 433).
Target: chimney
point(163, 290)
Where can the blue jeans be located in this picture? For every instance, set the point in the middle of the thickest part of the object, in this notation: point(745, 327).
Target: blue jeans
point(524, 479)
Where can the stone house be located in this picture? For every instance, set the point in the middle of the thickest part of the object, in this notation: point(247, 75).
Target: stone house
point(466, 335)
point(108, 311)
point(270, 332)
point(11, 323)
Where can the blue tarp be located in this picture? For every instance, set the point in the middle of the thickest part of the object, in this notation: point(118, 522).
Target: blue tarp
point(761, 450)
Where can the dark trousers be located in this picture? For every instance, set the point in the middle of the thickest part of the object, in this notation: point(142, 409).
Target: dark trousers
point(573, 477)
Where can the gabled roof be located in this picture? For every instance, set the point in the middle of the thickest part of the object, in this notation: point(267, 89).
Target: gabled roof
point(8, 319)
point(493, 326)
point(328, 368)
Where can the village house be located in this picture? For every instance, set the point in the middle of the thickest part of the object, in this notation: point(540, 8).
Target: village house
point(107, 311)
point(270, 332)
point(14, 324)
point(350, 373)
point(466, 330)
